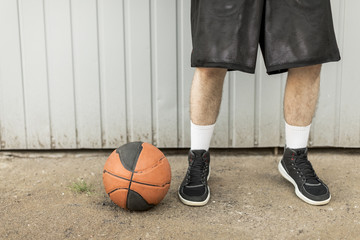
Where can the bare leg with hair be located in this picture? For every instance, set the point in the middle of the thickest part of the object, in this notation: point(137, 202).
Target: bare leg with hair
point(301, 95)
point(205, 95)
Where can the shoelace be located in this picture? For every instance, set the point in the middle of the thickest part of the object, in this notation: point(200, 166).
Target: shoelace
point(306, 168)
point(196, 175)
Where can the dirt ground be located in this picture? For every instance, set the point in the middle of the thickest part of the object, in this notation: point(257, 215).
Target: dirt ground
point(249, 199)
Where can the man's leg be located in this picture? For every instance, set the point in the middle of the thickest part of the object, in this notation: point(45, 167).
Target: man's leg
point(300, 99)
point(205, 95)
point(301, 95)
point(205, 100)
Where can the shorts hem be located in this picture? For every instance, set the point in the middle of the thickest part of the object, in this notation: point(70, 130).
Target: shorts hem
point(281, 68)
point(228, 66)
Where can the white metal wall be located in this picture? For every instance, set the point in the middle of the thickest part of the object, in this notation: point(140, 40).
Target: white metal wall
point(100, 73)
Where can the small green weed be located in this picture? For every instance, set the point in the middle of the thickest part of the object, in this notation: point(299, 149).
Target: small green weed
point(81, 186)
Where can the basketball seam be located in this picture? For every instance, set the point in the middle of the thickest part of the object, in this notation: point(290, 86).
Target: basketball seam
point(105, 171)
point(115, 190)
point(127, 196)
point(140, 148)
point(157, 163)
point(152, 184)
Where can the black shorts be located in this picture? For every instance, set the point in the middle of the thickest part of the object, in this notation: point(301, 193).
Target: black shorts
point(291, 33)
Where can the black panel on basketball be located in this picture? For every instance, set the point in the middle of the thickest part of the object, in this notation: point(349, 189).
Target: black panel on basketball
point(136, 202)
point(129, 154)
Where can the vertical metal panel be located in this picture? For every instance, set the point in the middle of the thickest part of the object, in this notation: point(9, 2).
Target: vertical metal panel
point(12, 119)
point(221, 135)
point(138, 70)
point(350, 86)
point(86, 73)
point(282, 122)
point(268, 108)
point(324, 123)
point(35, 77)
point(339, 30)
point(60, 73)
point(185, 72)
point(112, 72)
point(164, 72)
point(242, 122)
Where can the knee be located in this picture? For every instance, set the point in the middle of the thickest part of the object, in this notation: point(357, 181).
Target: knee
point(212, 72)
point(314, 71)
point(310, 73)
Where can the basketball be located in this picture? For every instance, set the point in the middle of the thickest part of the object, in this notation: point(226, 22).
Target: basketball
point(136, 176)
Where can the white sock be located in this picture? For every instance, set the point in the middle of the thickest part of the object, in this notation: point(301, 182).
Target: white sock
point(296, 137)
point(201, 136)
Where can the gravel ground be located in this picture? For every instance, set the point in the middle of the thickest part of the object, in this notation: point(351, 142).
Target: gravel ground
point(249, 199)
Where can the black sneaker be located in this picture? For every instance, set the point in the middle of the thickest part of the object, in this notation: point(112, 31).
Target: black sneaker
point(194, 190)
point(296, 168)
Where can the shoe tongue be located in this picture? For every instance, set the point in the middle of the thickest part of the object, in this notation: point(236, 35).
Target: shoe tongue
point(299, 151)
point(312, 181)
point(198, 153)
point(303, 151)
point(197, 167)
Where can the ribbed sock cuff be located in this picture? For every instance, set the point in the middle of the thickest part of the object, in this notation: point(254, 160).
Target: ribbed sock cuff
point(296, 137)
point(201, 136)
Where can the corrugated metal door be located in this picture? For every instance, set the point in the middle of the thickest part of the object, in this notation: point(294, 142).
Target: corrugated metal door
point(100, 73)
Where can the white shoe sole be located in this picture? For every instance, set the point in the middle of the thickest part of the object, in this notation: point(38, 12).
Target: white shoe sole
point(196, 204)
point(297, 192)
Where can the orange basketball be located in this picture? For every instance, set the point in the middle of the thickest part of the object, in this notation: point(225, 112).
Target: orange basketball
point(136, 176)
